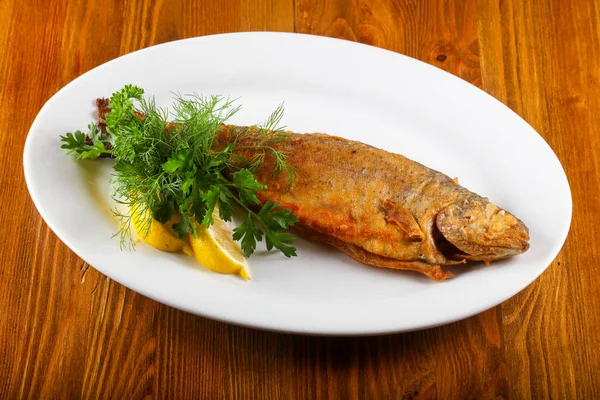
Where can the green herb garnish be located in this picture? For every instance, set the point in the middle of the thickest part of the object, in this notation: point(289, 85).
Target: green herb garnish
point(92, 146)
point(167, 166)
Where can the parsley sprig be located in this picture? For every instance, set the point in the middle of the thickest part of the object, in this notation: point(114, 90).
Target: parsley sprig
point(165, 164)
point(90, 146)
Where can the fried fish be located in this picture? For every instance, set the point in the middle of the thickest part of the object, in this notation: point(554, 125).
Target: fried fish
point(380, 208)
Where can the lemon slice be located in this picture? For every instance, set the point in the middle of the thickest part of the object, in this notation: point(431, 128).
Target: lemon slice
point(160, 236)
point(216, 250)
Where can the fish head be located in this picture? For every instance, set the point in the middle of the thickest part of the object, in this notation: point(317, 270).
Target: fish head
point(480, 230)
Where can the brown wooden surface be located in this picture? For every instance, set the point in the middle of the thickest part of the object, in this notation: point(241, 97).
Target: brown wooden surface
point(66, 331)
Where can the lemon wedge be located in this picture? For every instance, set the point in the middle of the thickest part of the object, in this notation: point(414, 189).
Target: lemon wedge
point(160, 236)
point(214, 248)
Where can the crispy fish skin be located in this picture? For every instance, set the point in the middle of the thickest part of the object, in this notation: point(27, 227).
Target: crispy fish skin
point(351, 192)
point(381, 208)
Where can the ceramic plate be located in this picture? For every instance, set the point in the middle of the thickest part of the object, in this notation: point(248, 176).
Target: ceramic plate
point(338, 87)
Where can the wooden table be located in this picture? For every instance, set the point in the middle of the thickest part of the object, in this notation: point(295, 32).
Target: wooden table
point(67, 331)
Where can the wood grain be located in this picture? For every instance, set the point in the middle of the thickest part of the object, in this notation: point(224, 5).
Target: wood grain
point(66, 331)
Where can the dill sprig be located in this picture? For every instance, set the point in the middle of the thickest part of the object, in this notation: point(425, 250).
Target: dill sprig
point(165, 164)
point(270, 131)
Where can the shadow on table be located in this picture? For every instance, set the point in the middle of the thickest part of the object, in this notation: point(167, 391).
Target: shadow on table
point(391, 366)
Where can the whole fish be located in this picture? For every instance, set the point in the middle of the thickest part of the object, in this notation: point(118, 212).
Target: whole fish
point(380, 208)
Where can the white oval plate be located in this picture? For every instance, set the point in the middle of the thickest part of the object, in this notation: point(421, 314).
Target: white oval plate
point(338, 87)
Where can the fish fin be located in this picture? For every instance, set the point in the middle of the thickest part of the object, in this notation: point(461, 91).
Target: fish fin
point(433, 271)
point(400, 216)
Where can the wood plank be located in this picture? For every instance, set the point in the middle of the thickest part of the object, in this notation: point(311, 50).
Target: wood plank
point(442, 33)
